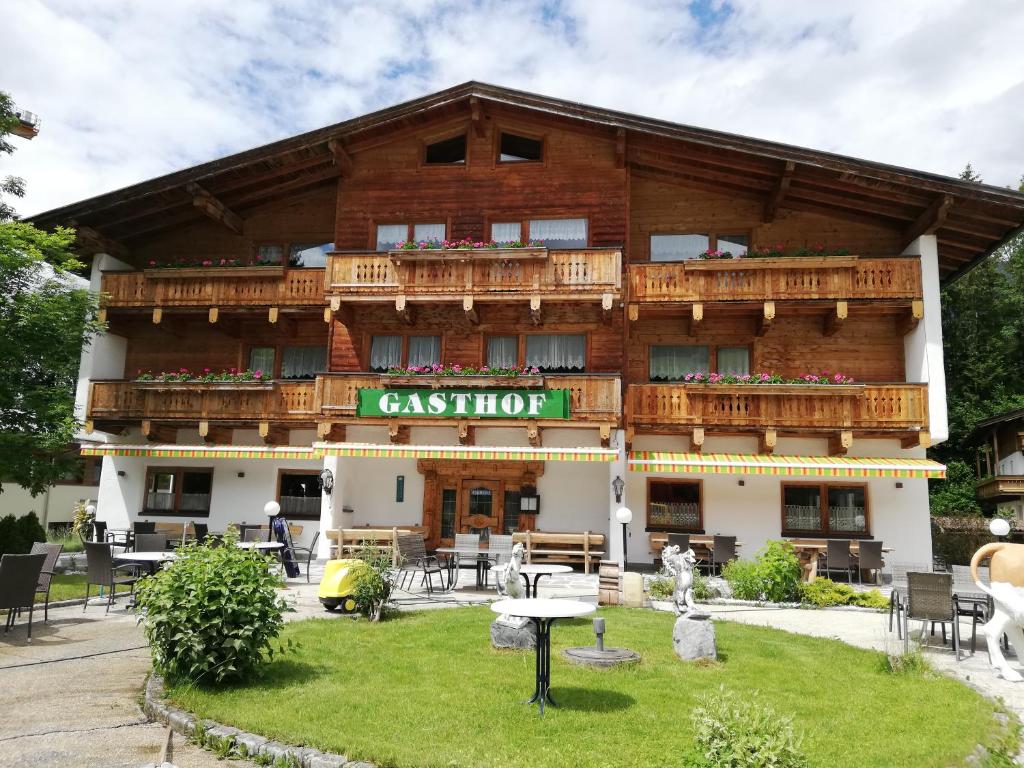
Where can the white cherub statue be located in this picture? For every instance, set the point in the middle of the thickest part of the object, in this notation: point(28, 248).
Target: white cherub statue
point(507, 577)
point(680, 566)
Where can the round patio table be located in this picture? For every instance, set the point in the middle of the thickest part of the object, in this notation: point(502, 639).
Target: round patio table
point(543, 612)
point(482, 559)
point(526, 570)
point(151, 559)
point(260, 545)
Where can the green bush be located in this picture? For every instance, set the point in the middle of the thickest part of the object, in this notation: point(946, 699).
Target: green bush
point(211, 615)
point(31, 531)
point(737, 732)
point(374, 586)
point(744, 579)
point(661, 587)
point(825, 593)
point(774, 575)
point(18, 534)
point(701, 588)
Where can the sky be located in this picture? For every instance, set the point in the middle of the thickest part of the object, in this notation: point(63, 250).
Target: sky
point(132, 89)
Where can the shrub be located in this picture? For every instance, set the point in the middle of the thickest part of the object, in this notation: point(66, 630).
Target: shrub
point(374, 587)
point(81, 523)
point(661, 587)
point(18, 534)
point(744, 579)
point(825, 593)
point(911, 662)
point(779, 568)
point(735, 732)
point(212, 614)
point(701, 588)
point(31, 531)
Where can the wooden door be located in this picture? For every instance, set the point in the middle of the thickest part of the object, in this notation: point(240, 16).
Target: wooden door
point(481, 507)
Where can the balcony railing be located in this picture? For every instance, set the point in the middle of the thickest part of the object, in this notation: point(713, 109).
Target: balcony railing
point(493, 274)
point(274, 401)
point(592, 398)
point(1000, 486)
point(214, 287)
point(869, 407)
point(834, 277)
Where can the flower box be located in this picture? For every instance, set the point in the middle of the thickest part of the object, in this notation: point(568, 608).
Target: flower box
point(198, 385)
point(469, 382)
point(760, 262)
point(776, 389)
point(158, 273)
point(466, 254)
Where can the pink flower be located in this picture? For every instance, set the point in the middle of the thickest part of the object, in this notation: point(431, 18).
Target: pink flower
point(535, 369)
point(206, 370)
point(152, 263)
point(258, 375)
point(207, 263)
point(688, 377)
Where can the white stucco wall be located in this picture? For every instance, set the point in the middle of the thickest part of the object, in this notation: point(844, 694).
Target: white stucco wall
point(922, 347)
point(55, 505)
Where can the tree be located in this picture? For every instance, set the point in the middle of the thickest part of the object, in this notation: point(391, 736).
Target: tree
point(10, 185)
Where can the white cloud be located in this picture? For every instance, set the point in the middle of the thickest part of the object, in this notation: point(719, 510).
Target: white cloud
point(132, 89)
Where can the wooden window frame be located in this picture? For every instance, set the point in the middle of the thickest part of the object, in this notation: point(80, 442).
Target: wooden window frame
point(178, 473)
point(826, 531)
point(368, 344)
point(281, 472)
point(279, 347)
point(649, 528)
point(712, 357)
point(712, 236)
point(425, 141)
point(542, 137)
point(286, 245)
point(410, 225)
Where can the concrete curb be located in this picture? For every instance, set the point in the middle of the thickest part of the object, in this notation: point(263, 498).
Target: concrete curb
point(228, 741)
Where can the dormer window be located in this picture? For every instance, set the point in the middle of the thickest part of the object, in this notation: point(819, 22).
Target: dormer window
point(520, 149)
point(447, 151)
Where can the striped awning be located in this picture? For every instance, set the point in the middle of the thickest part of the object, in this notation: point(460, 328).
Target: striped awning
point(201, 451)
point(465, 452)
point(793, 466)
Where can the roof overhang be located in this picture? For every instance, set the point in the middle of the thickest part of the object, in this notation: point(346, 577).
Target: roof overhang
point(786, 466)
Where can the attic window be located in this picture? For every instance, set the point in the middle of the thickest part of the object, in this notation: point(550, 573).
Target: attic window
point(519, 149)
point(447, 152)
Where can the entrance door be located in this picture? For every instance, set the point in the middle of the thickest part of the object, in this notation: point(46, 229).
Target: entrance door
point(481, 504)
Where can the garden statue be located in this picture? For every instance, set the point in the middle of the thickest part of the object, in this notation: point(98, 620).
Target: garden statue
point(1006, 572)
point(507, 578)
point(680, 566)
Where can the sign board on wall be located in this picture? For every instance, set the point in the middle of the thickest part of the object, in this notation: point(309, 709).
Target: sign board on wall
point(465, 403)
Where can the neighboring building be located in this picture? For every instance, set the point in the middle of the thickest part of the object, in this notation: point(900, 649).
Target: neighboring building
point(56, 505)
point(613, 309)
point(1000, 462)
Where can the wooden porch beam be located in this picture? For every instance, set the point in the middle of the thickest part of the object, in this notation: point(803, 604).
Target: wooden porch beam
point(911, 318)
point(533, 434)
point(96, 242)
point(467, 434)
point(840, 444)
point(159, 433)
point(835, 318)
point(931, 219)
point(697, 439)
point(921, 439)
point(214, 434)
point(404, 310)
point(620, 148)
point(767, 440)
point(477, 114)
point(634, 312)
point(607, 302)
point(606, 434)
point(273, 434)
point(535, 312)
point(471, 314)
point(214, 208)
point(696, 317)
point(764, 322)
point(342, 159)
point(771, 206)
point(398, 433)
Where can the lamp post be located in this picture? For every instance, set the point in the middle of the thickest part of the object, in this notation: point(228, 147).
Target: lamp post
point(90, 511)
point(999, 526)
point(271, 510)
point(624, 515)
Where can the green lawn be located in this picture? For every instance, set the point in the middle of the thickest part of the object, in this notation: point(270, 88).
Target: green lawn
point(66, 587)
point(427, 689)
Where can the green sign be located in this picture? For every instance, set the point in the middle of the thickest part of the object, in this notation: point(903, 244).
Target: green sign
point(465, 403)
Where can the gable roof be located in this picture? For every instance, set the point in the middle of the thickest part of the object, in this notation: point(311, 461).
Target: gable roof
point(970, 220)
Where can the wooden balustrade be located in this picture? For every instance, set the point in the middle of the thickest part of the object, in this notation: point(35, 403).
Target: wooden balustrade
point(275, 401)
point(481, 273)
point(214, 287)
point(836, 277)
point(591, 398)
point(883, 407)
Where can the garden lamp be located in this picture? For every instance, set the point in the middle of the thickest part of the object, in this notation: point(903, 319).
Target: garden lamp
point(624, 515)
point(999, 526)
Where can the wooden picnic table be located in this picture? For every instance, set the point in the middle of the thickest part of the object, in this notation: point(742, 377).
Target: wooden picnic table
point(809, 549)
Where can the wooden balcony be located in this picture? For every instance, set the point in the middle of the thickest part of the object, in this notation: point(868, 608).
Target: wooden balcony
point(1000, 487)
point(213, 287)
point(871, 409)
point(593, 274)
point(594, 400)
point(794, 278)
point(234, 404)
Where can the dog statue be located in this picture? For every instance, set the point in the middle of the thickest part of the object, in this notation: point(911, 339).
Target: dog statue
point(680, 566)
point(1006, 569)
point(507, 578)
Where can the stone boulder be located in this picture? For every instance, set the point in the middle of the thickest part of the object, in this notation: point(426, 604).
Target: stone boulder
point(693, 638)
point(509, 634)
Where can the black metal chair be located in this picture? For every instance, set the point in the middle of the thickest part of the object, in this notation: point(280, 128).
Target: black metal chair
point(254, 534)
point(19, 577)
point(51, 553)
point(869, 558)
point(838, 558)
point(143, 526)
point(202, 531)
point(150, 542)
point(100, 570)
point(413, 559)
point(681, 540)
point(930, 600)
point(309, 552)
point(99, 530)
point(723, 550)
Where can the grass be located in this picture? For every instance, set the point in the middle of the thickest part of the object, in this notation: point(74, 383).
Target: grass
point(63, 535)
point(426, 689)
point(66, 587)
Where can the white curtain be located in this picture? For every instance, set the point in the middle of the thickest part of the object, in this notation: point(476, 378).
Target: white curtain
point(557, 352)
point(303, 362)
point(385, 352)
point(735, 244)
point(560, 233)
point(734, 360)
point(506, 232)
point(389, 235)
point(846, 510)
point(502, 352)
point(677, 247)
point(424, 350)
point(428, 232)
point(671, 363)
point(262, 359)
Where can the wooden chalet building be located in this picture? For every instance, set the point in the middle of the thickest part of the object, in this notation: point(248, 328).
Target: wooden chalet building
point(1000, 462)
point(287, 259)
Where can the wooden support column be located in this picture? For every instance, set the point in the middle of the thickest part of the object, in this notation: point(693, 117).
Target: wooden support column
point(839, 445)
point(466, 433)
point(533, 433)
point(213, 314)
point(467, 306)
point(697, 439)
point(607, 302)
point(477, 116)
point(835, 318)
point(630, 433)
point(214, 434)
point(771, 206)
point(214, 208)
point(764, 323)
point(272, 315)
point(911, 318)
point(342, 159)
point(634, 312)
point(404, 310)
point(158, 315)
point(159, 433)
point(535, 314)
point(696, 317)
point(606, 434)
point(767, 440)
point(398, 433)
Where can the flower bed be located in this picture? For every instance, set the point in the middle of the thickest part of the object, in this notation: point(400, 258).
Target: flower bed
point(467, 244)
point(462, 370)
point(204, 376)
point(776, 251)
point(765, 378)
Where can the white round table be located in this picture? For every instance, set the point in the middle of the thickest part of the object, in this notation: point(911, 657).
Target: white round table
point(526, 570)
point(261, 545)
point(543, 612)
point(150, 558)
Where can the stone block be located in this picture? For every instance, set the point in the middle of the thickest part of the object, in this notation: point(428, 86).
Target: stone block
point(250, 742)
point(329, 761)
point(633, 589)
point(694, 638)
point(508, 636)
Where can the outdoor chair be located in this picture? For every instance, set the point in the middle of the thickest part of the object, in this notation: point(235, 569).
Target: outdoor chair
point(724, 550)
point(898, 590)
point(413, 559)
point(19, 577)
point(930, 600)
point(838, 558)
point(100, 570)
point(254, 534)
point(500, 551)
point(51, 552)
point(970, 600)
point(681, 540)
point(202, 531)
point(309, 552)
point(143, 526)
point(150, 542)
point(99, 530)
point(462, 541)
point(869, 558)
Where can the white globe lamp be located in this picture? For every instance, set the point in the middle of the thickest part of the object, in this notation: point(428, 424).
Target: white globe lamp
point(999, 526)
point(625, 516)
point(271, 509)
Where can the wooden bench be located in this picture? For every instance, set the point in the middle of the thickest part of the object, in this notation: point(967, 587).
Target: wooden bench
point(351, 540)
point(550, 547)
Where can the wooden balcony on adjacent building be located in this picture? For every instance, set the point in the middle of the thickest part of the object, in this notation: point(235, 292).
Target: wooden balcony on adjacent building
point(526, 274)
point(897, 410)
point(839, 278)
point(594, 401)
point(1000, 487)
point(214, 287)
point(163, 406)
